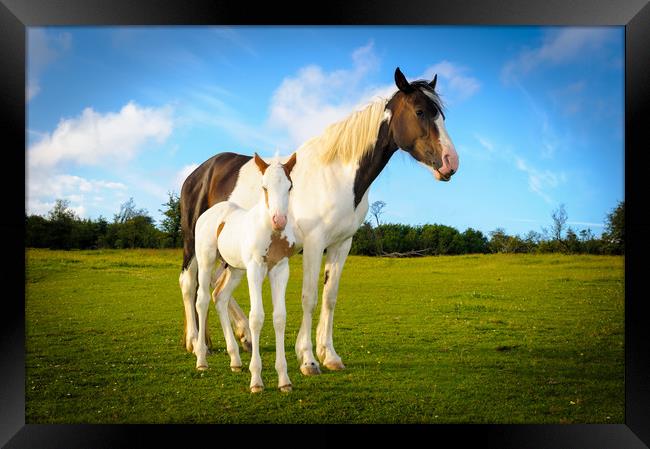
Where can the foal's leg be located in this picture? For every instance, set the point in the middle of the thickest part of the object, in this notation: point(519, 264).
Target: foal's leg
point(188, 282)
point(336, 255)
point(226, 283)
point(255, 273)
point(312, 255)
point(279, 276)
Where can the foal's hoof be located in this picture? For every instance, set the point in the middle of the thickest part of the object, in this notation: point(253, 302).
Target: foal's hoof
point(235, 369)
point(335, 366)
point(257, 388)
point(311, 369)
point(286, 388)
point(202, 367)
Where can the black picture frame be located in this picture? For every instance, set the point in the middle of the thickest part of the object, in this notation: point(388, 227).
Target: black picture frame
point(16, 15)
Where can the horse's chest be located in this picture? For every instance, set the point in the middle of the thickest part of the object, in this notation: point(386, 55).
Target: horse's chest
point(278, 249)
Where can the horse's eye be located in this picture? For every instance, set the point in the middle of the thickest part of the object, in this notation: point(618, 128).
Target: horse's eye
point(419, 113)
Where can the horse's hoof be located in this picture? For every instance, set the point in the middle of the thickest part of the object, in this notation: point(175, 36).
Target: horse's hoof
point(310, 370)
point(202, 367)
point(286, 388)
point(335, 366)
point(235, 369)
point(257, 388)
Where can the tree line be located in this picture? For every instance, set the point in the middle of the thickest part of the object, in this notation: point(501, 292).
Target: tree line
point(131, 227)
point(390, 239)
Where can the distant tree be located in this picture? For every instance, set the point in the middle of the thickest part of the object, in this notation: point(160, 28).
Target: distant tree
point(364, 241)
point(572, 244)
point(614, 235)
point(128, 211)
point(586, 235)
point(171, 224)
point(377, 209)
point(560, 218)
point(474, 242)
point(61, 211)
point(61, 225)
point(498, 241)
point(532, 241)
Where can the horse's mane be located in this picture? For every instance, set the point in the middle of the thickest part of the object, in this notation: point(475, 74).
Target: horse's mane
point(349, 139)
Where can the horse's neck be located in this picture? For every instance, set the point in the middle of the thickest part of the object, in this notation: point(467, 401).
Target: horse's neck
point(373, 162)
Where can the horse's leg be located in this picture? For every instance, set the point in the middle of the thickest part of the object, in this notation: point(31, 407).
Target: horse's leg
point(225, 284)
point(240, 324)
point(312, 255)
point(279, 276)
point(336, 255)
point(255, 273)
point(188, 283)
point(202, 305)
point(237, 316)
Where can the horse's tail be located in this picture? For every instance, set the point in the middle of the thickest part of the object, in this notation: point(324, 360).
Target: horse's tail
point(193, 201)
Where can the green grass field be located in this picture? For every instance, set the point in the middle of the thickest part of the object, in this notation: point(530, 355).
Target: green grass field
point(461, 339)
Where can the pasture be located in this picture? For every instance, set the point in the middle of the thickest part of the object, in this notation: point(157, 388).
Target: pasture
point(458, 339)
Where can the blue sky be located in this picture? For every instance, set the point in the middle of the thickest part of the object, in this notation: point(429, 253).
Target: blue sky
point(536, 113)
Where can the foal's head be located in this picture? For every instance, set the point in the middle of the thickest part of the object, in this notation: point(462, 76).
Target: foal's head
point(417, 124)
point(276, 184)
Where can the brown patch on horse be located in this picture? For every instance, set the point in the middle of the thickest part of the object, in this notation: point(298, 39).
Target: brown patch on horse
point(278, 250)
point(220, 228)
point(327, 275)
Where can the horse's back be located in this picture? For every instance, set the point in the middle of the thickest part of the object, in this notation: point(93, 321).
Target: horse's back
point(210, 183)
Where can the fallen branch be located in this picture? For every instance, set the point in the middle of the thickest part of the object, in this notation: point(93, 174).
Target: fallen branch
point(414, 253)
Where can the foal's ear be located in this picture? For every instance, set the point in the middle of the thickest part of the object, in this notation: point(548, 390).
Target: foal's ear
point(288, 166)
point(260, 163)
point(433, 83)
point(402, 83)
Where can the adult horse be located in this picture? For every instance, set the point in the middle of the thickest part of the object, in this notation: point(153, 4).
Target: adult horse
point(329, 201)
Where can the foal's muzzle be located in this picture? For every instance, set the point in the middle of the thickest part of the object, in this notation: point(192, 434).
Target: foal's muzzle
point(279, 222)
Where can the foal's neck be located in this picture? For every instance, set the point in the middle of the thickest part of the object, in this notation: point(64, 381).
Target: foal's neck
point(373, 162)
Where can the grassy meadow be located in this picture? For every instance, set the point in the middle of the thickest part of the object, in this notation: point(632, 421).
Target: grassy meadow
point(450, 339)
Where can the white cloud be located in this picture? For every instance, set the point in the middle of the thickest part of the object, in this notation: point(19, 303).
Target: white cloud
point(558, 47)
point(540, 181)
point(485, 143)
point(44, 187)
point(307, 103)
point(93, 138)
point(42, 50)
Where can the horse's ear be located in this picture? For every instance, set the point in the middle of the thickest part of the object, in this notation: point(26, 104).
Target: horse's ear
point(400, 81)
point(433, 83)
point(260, 163)
point(288, 166)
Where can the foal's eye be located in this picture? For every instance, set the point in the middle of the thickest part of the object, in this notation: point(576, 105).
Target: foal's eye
point(419, 113)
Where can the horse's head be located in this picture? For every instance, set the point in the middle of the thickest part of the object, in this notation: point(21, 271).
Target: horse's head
point(417, 124)
point(276, 184)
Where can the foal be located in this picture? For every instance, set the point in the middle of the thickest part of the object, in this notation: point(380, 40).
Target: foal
point(258, 241)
